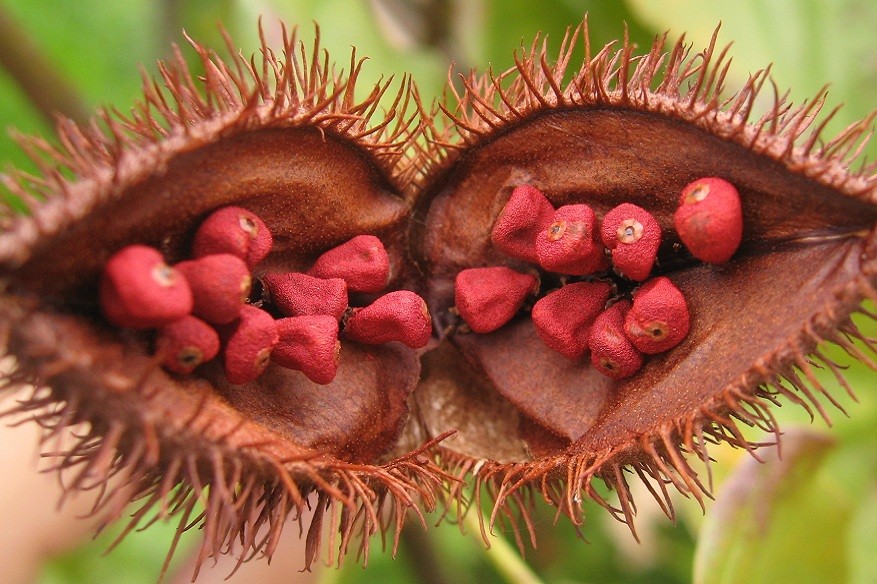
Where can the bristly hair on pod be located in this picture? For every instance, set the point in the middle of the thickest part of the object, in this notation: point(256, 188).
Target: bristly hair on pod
point(269, 135)
point(642, 126)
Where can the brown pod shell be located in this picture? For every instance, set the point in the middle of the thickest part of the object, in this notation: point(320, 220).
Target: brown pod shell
point(269, 135)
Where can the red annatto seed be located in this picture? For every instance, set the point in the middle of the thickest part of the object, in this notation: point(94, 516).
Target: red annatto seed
point(296, 294)
point(634, 236)
point(186, 343)
point(527, 214)
point(398, 316)
point(362, 262)
point(569, 244)
point(248, 342)
point(236, 231)
point(139, 290)
point(220, 285)
point(658, 319)
point(563, 317)
point(709, 219)
point(612, 353)
point(309, 344)
point(488, 298)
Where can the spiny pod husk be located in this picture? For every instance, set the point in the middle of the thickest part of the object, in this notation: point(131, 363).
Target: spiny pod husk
point(269, 136)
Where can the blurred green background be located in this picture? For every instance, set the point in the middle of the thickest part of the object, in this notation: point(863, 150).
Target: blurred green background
point(812, 518)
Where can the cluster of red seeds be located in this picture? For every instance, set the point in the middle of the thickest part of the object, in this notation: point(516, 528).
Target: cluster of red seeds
point(590, 315)
point(200, 308)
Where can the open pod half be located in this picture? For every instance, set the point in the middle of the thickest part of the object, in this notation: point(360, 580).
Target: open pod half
point(286, 139)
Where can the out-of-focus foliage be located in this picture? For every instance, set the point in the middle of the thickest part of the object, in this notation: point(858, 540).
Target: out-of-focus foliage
point(825, 511)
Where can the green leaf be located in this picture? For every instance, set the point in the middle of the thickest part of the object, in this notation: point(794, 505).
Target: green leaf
point(777, 522)
point(811, 43)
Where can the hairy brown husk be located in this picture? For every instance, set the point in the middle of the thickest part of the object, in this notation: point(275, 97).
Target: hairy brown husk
point(271, 137)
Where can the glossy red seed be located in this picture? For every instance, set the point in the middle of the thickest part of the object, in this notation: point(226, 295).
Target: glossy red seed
point(186, 343)
point(236, 231)
point(296, 294)
point(658, 319)
point(248, 342)
point(612, 353)
point(569, 244)
point(220, 285)
point(139, 290)
point(487, 298)
point(563, 317)
point(527, 213)
point(633, 236)
point(362, 262)
point(309, 344)
point(398, 316)
point(709, 219)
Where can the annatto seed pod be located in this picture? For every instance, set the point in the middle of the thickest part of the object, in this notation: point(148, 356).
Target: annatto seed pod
point(563, 317)
point(362, 262)
point(235, 231)
point(658, 319)
point(139, 290)
point(186, 344)
point(220, 286)
point(569, 245)
point(297, 294)
point(488, 298)
point(633, 236)
point(612, 353)
point(309, 344)
point(284, 137)
point(709, 219)
point(527, 214)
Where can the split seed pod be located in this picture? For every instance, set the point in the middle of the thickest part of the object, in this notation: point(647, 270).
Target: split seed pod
point(269, 137)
